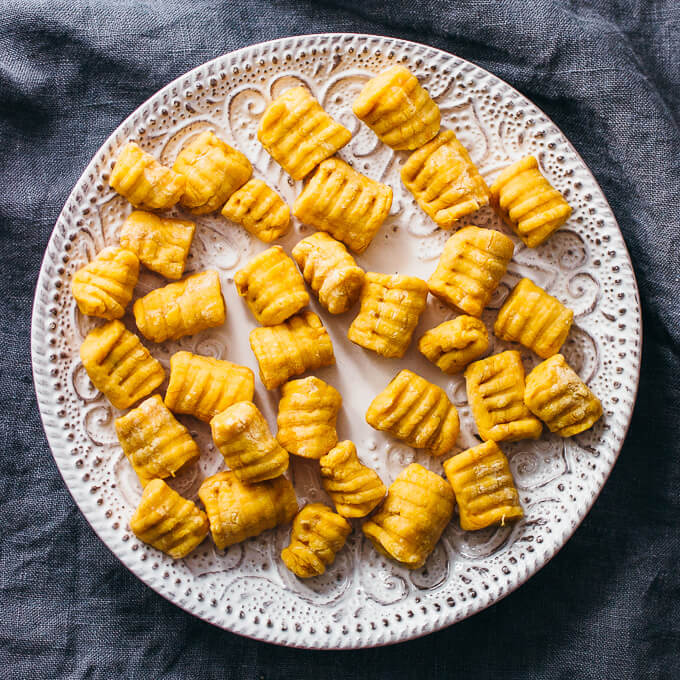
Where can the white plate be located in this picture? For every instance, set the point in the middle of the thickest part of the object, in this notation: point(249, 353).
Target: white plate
point(363, 599)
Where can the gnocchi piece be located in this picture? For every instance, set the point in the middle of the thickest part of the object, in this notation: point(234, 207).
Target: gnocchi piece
point(389, 313)
point(182, 308)
point(259, 210)
point(291, 348)
point(298, 133)
point(156, 445)
point(318, 534)
point(452, 345)
point(444, 181)
point(203, 386)
point(495, 391)
point(238, 511)
point(411, 519)
point(308, 412)
point(330, 270)
point(417, 412)
point(398, 109)
point(556, 394)
point(354, 488)
point(167, 521)
point(471, 266)
point(534, 318)
point(483, 485)
point(213, 170)
point(147, 184)
point(528, 203)
point(272, 286)
point(119, 365)
point(242, 435)
point(161, 243)
point(341, 201)
point(104, 286)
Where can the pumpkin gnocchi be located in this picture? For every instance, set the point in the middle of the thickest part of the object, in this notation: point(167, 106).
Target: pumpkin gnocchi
point(452, 345)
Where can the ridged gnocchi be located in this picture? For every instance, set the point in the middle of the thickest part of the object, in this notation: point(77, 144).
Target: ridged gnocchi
point(213, 170)
point(147, 184)
point(156, 445)
point(308, 412)
point(417, 412)
point(444, 181)
point(238, 511)
point(119, 365)
point(411, 519)
point(483, 485)
point(242, 435)
point(318, 534)
point(104, 286)
point(299, 344)
point(259, 210)
point(398, 109)
point(167, 521)
point(556, 394)
point(203, 386)
point(341, 201)
point(473, 262)
point(452, 345)
point(161, 243)
point(330, 270)
point(534, 318)
point(298, 133)
point(182, 308)
point(272, 287)
point(390, 309)
point(354, 488)
point(495, 391)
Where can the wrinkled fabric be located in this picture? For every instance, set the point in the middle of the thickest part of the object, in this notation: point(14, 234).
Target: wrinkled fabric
point(608, 73)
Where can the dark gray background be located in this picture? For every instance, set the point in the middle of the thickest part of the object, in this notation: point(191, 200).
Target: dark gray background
point(609, 74)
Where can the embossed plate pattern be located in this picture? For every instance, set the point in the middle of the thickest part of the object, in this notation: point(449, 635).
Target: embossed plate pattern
point(363, 600)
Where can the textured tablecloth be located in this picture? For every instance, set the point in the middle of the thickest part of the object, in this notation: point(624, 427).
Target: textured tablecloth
point(608, 73)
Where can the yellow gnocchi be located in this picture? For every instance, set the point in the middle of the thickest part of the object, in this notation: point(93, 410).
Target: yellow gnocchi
point(272, 287)
point(156, 445)
point(471, 266)
point(242, 435)
point(299, 344)
point(298, 133)
point(330, 270)
point(417, 412)
point(213, 170)
point(161, 243)
point(147, 184)
point(495, 391)
point(341, 201)
point(167, 521)
point(238, 511)
point(318, 534)
point(390, 309)
point(104, 286)
point(182, 308)
point(444, 181)
point(259, 210)
point(308, 412)
point(203, 386)
point(411, 519)
point(556, 394)
point(534, 318)
point(354, 488)
point(452, 345)
point(119, 365)
point(528, 203)
point(398, 109)
point(483, 485)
